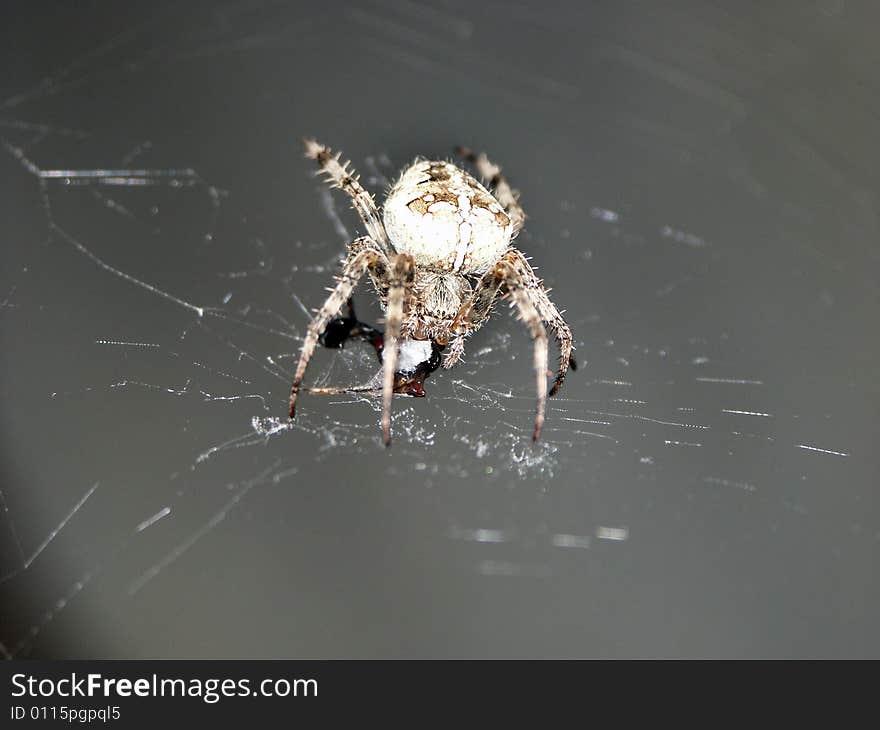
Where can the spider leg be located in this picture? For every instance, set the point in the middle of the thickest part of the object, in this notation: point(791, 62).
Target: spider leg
point(454, 351)
point(528, 314)
point(513, 275)
point(363, 255)
point(340, 176)
point(491, 173)
point(473, 312)
point(549, 313)
point(400, 277)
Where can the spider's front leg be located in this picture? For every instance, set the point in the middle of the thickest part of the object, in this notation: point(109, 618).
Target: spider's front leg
point(473, 312)
point(537, 294)
point(400, 278)
point(513, 276)
point(528, 314)
point(341, 176)
point(363, 255)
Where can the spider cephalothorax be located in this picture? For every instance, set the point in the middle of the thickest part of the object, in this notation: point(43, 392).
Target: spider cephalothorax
point(439, 257)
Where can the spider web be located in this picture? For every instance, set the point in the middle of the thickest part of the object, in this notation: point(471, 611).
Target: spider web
point(181, 310)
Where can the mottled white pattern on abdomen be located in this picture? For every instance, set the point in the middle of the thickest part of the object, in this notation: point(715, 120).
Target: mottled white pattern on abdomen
point(445, 219)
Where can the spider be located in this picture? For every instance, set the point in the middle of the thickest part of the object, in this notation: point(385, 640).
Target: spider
point(439, 256)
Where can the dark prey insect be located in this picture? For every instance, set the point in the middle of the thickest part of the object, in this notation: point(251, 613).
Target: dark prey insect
point(439, 257)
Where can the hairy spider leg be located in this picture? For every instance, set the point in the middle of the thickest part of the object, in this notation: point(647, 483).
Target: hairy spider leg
point(362, 256)
point(551, 316)
point(513, 276)
point(400, 279)
point(339, 175)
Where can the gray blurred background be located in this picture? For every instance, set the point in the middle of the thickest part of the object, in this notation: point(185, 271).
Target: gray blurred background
point(702, 185)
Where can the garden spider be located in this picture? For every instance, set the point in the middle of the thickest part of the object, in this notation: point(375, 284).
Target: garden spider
point(439, 257)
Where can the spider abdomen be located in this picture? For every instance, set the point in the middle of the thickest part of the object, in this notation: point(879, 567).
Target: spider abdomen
point(445, 219)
